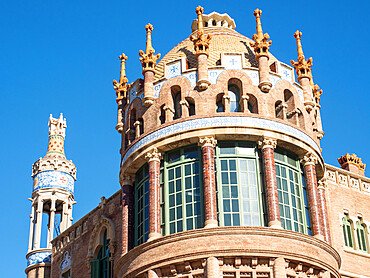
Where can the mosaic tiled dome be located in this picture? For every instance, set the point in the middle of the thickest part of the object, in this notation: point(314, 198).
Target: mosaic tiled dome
point(224, 40)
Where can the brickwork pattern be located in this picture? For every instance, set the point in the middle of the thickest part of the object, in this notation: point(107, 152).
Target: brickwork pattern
point(127, 217)
point(154, 197)
point(324, 212)
point(209, 184)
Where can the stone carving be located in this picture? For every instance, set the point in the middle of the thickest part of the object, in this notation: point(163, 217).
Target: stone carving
point(127, 180)
point(121, 86)
point(365, 186)
point(342, 180)
point(148, 59)
point(261, 42)
point(354, 183)
point(346, 159)
point(154, 154)
point(201, 41)
point(330, 175)
point(309, 158)
point(207, 141)
point(267, 143)
point(302, 66)
point(57, 126)
point(54, 164)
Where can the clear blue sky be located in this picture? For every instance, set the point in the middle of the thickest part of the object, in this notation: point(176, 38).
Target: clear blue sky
point(61, 56)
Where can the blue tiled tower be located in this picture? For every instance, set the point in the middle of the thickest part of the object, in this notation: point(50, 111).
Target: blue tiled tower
point(52, 199)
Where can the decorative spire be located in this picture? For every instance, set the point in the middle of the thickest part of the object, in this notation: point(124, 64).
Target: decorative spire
point(303, 66)
point(57, 133)
point(201, 41)
point(121, 86)
point(346, 159)
point(316, 90)
point(261, 44)
point(148, 59)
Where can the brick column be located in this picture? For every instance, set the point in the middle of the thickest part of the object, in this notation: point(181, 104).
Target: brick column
point(212, 268)
point(321, 187)
point(127, 183)
point(209, 182)
point(153, 157)
point(309, 161)
point(268, 145)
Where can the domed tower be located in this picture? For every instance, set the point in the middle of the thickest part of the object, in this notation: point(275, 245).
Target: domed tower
point(52, 200)
point(221, 160)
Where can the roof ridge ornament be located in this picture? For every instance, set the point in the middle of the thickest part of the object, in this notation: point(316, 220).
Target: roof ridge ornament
point(201, 41)
point(121, 86)
point(302, 66)
point(346, 159)
point(261, 44)
point(148, 59)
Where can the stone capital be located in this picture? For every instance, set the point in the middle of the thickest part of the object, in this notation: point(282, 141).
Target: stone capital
point(184, 102)
point(309, 159)
point(126, 179)
point(267, 143)
point(154, 154)
point(322, 184)
point(166, 107)
point(207, 141)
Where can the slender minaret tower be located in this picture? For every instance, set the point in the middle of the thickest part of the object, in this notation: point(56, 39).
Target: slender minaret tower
point(52, 200)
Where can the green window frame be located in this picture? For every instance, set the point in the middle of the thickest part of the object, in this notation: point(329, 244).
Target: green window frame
point(239, 190)
point(67, 274)
point(361, 236)
point(182, 191)
point(347, 231)
point(292, 193)
point(101, 268)
point(142, 205)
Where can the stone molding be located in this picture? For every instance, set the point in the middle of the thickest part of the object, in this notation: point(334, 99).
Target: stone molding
point(309, 159)
point(54, 164)
point(154, 154)
point(267, 143)
point(232, 241)
point(207, 141)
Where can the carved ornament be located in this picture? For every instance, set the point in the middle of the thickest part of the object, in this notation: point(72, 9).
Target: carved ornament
point(261, 42)
point(309, 159)
point(267, 143)
point(207, 141)
point(351, 159)
point(54, 164)
point(154, 154)
point(201, 41)
point(148, 59)
point(121, 86)
point(127, 180)
point(302, 66)
point(57, 126)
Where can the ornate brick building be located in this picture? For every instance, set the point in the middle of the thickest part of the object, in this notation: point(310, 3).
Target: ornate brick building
point(221, 174)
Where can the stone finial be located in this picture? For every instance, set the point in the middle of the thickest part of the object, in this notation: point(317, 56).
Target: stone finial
point(201, 41)
point(267, 143)
point(57, 126)
point(309, 158)
point(302, 66)
point(261, 44)
point(347, 160)
point(316, 90)
point(148, 59)
point(207, 141)
point(154, 154)
point(121, 86)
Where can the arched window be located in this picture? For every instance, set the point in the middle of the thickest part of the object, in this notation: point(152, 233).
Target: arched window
point(361, 236)
point(191, 106)
point(234, 94)
point(176, 103)
point(279, 109)
point(293, 204)
point(347, 231)
point(162, 116)
point(220, 107)
point(252, 104)
point(101, 268)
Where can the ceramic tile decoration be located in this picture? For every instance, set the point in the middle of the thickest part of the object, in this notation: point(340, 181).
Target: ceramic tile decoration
point(173, 69)
point(241, 121)
point(66, 262)
point(40, 257)
point(53, 179)
point(232, 61)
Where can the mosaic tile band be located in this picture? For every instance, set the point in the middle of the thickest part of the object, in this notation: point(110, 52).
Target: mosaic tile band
point(42, 257)
point(53, 179)
point(225, 121)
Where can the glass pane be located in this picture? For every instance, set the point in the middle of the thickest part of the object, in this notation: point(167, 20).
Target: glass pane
point(227, 219)
point(174, 156)
point(227, 207)
point(233, 179)
point(188, 169)
point(225, 192)
point(225, 178)
point(232, 164)
point(191, 152)
point(224, 166)
point(234, 192)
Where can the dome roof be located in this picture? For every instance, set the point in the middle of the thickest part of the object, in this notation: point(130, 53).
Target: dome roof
point(224, 40)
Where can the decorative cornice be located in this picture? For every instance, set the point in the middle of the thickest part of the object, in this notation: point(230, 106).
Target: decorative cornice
point(261, 44)
point(121, 86)
point(351, 159)
point(207, 141)
point(267, 143)
point(309, 159)
point(201, 41)
point(54, 164)
point(154, 154)
point(302, 66)
point(148, 59)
